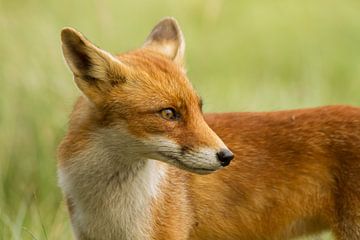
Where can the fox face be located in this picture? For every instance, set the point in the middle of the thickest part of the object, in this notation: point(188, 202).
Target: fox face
point(145, 99)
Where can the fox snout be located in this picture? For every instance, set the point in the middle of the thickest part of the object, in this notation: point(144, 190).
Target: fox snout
point(201, 159)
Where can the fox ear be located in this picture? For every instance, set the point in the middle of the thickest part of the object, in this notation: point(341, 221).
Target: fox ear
point(167, 38)
point(95, 71)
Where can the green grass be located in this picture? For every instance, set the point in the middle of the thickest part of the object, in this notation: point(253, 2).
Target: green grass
point(241, 56)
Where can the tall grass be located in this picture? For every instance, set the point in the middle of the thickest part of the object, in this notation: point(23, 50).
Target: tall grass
point(242, 56)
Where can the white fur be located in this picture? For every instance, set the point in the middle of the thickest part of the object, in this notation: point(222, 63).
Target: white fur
point(198, 160)
point(112, 188)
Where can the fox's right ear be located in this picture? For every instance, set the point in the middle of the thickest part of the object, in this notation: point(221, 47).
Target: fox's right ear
point(167, 39)
point(95, 71)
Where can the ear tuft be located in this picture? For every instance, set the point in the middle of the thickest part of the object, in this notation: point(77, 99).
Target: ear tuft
point(167, 38)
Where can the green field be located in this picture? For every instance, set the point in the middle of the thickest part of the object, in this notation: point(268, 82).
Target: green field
point(246, 55)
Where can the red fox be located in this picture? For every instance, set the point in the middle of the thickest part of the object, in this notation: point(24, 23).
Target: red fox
point(139, 125)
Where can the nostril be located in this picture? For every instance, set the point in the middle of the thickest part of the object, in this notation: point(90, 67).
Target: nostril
point(225, 156)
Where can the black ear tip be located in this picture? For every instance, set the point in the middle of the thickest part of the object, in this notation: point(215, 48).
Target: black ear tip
point(166, 29)
point(69, 34)
point(169, 22)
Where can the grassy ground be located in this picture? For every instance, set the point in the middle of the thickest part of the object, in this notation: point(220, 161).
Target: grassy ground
point(242, 55)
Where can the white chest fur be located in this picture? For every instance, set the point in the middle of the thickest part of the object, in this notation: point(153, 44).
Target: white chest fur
point(111, 195)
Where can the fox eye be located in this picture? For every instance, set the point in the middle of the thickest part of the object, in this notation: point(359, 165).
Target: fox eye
point(169, 114)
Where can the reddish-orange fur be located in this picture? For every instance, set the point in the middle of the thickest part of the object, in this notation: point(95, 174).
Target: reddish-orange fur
point(295, 172)
point(290, 166)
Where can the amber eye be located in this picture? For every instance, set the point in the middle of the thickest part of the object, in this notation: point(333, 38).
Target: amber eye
point(169, 114)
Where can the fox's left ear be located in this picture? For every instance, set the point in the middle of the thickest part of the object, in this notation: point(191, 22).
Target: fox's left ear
point(167, 38)
point(95, 71)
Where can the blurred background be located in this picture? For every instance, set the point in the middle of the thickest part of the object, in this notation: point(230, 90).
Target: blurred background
point(248, 55)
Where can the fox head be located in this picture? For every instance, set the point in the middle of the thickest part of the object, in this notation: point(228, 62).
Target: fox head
point(144, 98)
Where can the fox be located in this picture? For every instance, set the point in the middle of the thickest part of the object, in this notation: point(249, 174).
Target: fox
point(141, 160)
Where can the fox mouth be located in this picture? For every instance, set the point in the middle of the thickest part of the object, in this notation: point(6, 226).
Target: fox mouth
point(180, 164)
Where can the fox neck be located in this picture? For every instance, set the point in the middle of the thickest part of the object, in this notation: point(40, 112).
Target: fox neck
point(111, 191)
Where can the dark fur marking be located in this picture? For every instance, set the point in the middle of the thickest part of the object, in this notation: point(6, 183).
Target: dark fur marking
point(89, 79)
point(117, 81)
point(114, 83)
point(184, 149)
point(81, 59)
point(201, 104)
point(113, 177)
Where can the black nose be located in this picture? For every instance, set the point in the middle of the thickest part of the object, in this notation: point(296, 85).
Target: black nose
point(225, 156)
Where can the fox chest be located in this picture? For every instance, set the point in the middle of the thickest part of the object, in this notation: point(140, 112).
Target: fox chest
point(122, 219)
point(108, 211)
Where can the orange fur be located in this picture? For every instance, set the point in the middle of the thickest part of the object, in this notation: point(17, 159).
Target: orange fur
point(295, 172)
